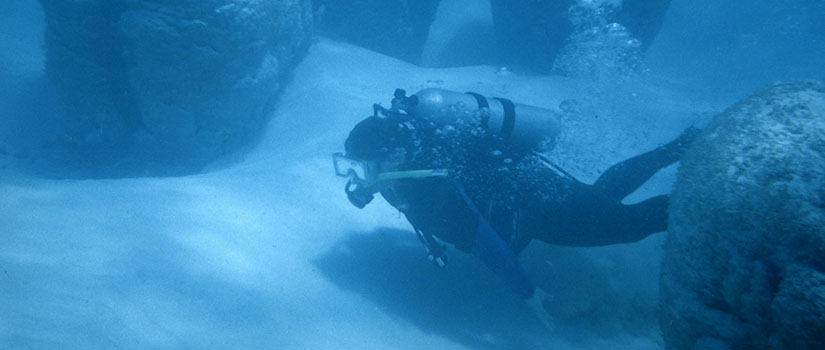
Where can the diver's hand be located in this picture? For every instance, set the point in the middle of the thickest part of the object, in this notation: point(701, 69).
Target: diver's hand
point(440, 261)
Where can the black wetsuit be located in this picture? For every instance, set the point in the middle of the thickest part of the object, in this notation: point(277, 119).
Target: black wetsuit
point(565, 211)
point(442, 208)
point(536, 202)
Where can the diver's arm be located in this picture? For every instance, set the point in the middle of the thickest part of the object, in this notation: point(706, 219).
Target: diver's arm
point(494, 252)
point(488, 247)
point(499, 257)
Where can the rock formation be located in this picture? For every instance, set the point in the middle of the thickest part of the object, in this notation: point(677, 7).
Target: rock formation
point(396, 28)
point(744, 262)
point(532, 33)
point(171, 82)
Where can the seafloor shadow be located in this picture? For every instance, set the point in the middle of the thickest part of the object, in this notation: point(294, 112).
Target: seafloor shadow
point(463, 302)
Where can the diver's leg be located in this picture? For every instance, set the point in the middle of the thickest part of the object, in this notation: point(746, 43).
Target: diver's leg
point(625, 177)
point(643, 219)
point(594, 220)
point(562, 211)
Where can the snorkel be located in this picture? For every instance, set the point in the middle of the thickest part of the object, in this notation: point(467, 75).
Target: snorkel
point(412, 174)
point(365, 179)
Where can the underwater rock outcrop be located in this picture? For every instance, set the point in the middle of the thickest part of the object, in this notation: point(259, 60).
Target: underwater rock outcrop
point(532, 33)
point(396, 28)
point(744, 261)
point(173, 82)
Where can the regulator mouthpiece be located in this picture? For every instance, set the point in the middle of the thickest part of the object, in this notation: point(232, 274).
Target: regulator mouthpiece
point(358, 195)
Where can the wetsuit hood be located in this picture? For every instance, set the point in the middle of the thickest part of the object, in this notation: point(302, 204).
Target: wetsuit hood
point(374, 138)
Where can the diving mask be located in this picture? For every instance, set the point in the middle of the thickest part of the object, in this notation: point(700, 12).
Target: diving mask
point(358, 171)
point(363, 175)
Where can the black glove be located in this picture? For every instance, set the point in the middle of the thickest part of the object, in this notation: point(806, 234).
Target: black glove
point(438, 260)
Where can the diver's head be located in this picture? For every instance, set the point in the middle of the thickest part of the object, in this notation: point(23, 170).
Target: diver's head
point(374, 144)
point(377, 139)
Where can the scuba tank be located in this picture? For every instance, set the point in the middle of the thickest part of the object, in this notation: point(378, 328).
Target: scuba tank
point(518, 124)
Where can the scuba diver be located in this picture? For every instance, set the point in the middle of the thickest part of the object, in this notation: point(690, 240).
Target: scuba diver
point(463, 169)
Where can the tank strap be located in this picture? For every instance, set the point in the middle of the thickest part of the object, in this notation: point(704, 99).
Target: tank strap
point(482, 104)
point(509, 117)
